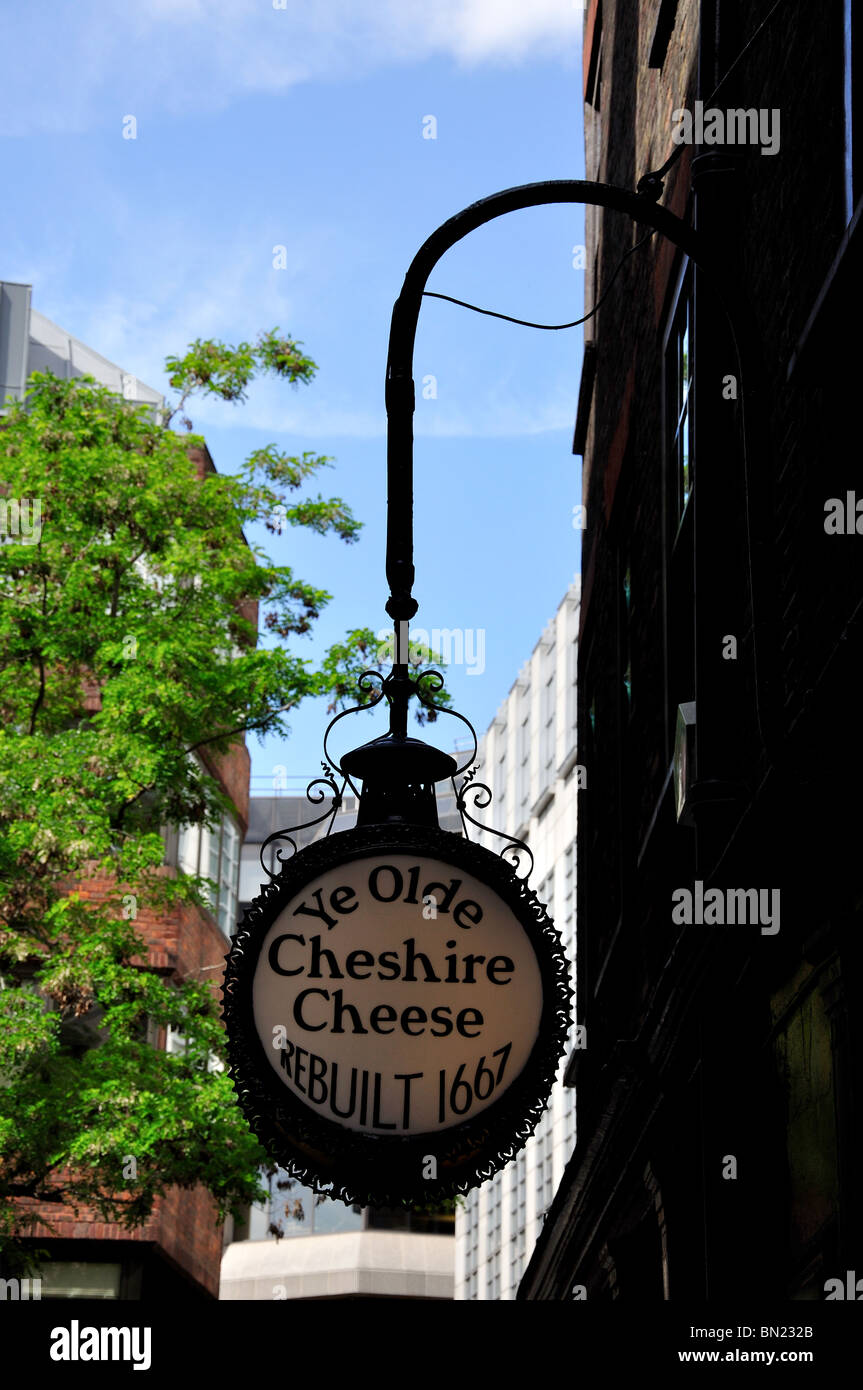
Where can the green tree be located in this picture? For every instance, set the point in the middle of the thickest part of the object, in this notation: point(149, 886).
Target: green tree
point(136, 592)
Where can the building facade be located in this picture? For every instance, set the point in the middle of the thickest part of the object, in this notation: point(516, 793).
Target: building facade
point(30, 342)
point(177, 1252)
point(528, 759)
point(299, 1246)
point(719, 904)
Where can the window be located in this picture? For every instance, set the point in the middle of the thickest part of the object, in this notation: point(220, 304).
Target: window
point(189, 849)
point(433, 1222)
point(80, 1279)
point(472, 1245)
point(544, 1172)
point(545, 893)
point(518, 1222)
point(252, 876)
point(571, 694)
point(214, 854)
point(593, 85)
point(214, 844)
point(227, 876)
point(593, 57)
point(662, 33)
point(547, 731)
point(493, 1238)
point(524, 755)
point(678, 401)
point(852, 31)
point(567, 925)
point(569, 1122)
point(495, 1215)
point(626, 633)
point(492, 1283)
point(293, 1210)
point(175, 1041)
point(499, 788)
point(679, 481)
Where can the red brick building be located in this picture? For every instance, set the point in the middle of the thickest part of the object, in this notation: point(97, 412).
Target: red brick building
point(178, 1252)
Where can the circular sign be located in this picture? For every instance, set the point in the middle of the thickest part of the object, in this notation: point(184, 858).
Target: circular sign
point(397, 1003)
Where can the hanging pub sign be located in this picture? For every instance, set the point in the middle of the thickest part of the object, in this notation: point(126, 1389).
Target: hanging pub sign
point(396, 998)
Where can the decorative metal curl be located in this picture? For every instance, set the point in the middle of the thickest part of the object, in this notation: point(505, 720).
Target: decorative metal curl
point(363, 683)
point(316, 797)
point(442, 709)
point(482, 797)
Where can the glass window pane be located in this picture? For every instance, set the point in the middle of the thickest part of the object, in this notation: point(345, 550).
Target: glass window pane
point(80, 1279)
point(212, 862)
point(187, 849)
point(229, 866)
point(331, 1216)
point(291, 1210)
point(252, 875)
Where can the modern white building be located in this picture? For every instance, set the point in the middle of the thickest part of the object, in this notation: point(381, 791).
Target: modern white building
point(358, 1263)
point(30, 342)
point(528, 759)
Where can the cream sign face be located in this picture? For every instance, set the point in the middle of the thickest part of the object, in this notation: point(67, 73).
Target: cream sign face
point(396, 995)
point(397, 1002)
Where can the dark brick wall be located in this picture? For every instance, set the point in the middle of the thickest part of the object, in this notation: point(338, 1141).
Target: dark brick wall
point(704, 1042)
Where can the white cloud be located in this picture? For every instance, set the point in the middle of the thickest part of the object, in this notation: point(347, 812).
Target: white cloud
point(475, 31)
point(335, 406)
point(323, 413)
point(73, 63)
point(140, 317)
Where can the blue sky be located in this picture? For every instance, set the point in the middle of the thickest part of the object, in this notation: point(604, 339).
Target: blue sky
point(303, 127)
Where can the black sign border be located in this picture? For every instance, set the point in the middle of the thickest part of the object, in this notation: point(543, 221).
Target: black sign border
point(386, 1170)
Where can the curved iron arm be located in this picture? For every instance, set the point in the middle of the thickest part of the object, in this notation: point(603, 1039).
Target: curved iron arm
point(400, 398)
point(644, 210)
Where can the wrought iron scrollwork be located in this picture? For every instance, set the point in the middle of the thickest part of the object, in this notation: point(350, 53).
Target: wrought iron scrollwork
point(428, 703)
point(315, 794)
point(482, 797)
point(364, 683)
point(424, 685)
point(481, 794)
